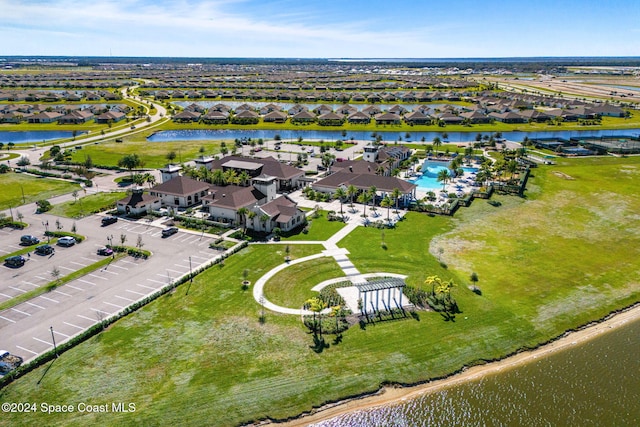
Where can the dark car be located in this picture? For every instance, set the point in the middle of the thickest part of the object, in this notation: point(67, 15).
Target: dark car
point(28, 240)
point(45, 250)
point(169, 231)
point(66, 241)
point(15, 261)
point(105, 251)
point(109, 220)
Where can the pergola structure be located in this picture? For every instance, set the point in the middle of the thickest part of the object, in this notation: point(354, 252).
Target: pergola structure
point(380, 291)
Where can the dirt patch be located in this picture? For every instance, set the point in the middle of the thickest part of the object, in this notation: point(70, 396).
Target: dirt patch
point(563, 175)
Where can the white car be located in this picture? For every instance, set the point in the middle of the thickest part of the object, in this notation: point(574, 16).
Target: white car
point(66, 241)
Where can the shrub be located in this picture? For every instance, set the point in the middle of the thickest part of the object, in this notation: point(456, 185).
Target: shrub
point(43, 206)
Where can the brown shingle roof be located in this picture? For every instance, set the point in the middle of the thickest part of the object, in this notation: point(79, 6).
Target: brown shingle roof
point(181, 186)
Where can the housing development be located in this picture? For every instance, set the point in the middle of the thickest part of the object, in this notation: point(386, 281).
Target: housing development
point(244, 242)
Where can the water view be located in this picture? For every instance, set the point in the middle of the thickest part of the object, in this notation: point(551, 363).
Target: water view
point(596, 383)
point(328, 135)
point(25, 137)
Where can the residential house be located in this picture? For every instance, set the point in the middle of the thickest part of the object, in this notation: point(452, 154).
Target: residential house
point(138, 203)
point(180, 192)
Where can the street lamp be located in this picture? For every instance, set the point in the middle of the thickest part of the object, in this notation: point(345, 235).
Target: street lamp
point(53, 338)
point(46, 233)
point(110, 240)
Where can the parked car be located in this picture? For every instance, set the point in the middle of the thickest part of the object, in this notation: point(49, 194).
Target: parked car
point(45, 250)
point(28, 240)
point(105, 251)
point(15, 261)
point(66, 241)
point(109, 220)
point(169, 231)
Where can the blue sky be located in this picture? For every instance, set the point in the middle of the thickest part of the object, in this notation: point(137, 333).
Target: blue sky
point(320, 29)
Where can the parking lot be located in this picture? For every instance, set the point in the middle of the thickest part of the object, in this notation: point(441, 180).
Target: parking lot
point(26, 329)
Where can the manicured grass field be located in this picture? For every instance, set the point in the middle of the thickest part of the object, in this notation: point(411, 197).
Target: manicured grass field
point(87, 205)
point(153, 154)
point(319, 229)
point(564, 256)
point(292, 286)
point(13, 184)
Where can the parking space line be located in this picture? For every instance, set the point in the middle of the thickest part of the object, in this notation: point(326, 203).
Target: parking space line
point(18, 289)
point(126, 299)
point(38, 339)
point(8, 320)
point(48, 299)
point(117, 306)
point(134, 292)
point(175, 271)
point(75, 326)
point(97, 277)
point(41, 278)
point(181, 266)
point(87, 282)
point(110, 272)
point(146, 287)
point(21, 312)
point(89, 259)
point(100, 311)
point(34, 305)
point(31, 284)
point(160, 274)
point(118, 266)
point(77, 263)
point(6, 296)
point(60, 333)
point(156, 281)
point(61, 293)
point(127, 262)
point(87, 318)
point(26, 349)
point(77, 289)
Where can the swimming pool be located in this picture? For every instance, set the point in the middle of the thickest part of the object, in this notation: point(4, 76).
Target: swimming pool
point(428, 180)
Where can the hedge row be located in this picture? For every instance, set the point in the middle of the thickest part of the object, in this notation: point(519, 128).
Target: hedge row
point(79, 238)
point(100, 326)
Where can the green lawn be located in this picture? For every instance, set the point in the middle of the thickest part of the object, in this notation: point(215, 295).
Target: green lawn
point(87, 205)
point(564, 256)
point(13, 185)
point(153, 154)
point(292, 286)
point(319, 229)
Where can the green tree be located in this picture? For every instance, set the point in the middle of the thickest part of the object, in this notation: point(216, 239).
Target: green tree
point(387, 203)
point(364, 198)
point(443, 176)
point(437, 142)
point(396, 193)
point(130, 162)
point(316, 305)
point(340, 194)
point(351, 191)
point(242, 213)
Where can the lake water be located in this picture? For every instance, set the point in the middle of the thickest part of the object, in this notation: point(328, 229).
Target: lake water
point(24, 137)
point(328, 135)
point(596, 383)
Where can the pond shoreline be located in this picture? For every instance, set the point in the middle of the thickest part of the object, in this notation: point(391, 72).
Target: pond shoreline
point(397, 393)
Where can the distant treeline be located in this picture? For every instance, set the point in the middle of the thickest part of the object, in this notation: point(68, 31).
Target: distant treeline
point(524, 64)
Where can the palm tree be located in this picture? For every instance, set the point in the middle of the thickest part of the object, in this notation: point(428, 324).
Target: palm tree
point(373, 192)
point(437, 142)
point(316, 305)
point(250, 215)
point(351, 191)
point(218, 177)
point(364, 198)
point(244, 178)
point(340, 194)
point(443, 176)
point(396, 193)
point(263, 219)
point(242, 212)
point(386, 203)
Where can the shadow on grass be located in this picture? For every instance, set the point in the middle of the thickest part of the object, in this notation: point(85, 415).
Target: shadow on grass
point(46, 370)
point(319, 344)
